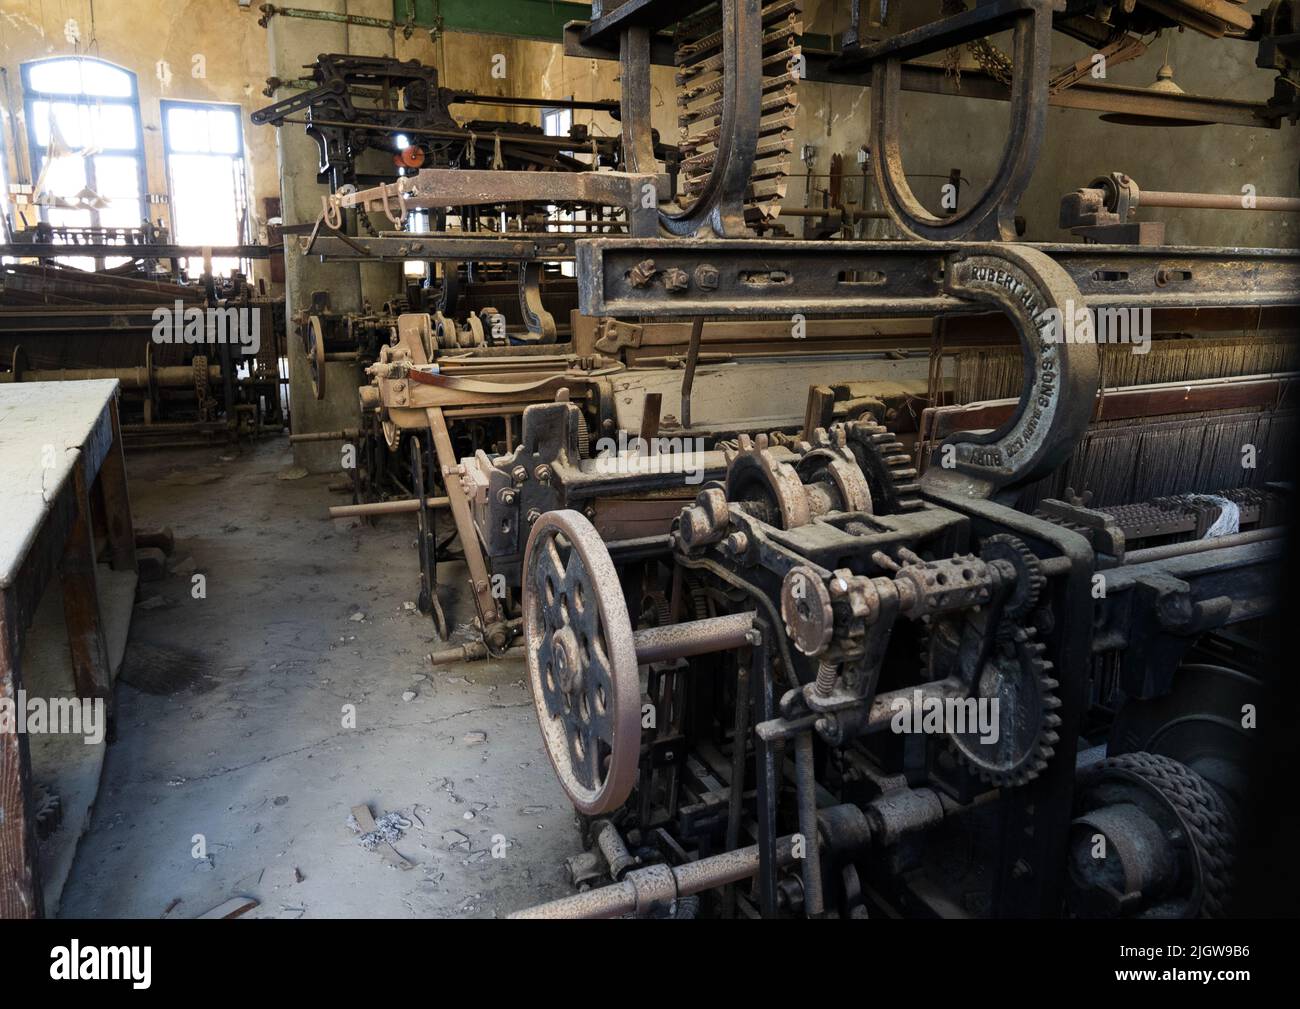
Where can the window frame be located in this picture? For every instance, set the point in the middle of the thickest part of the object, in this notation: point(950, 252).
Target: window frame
point(244, 228)
point(37, 153)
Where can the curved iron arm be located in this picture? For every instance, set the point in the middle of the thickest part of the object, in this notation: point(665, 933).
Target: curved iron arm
point(720, 207)
point(992, 215)
point(1061, 374)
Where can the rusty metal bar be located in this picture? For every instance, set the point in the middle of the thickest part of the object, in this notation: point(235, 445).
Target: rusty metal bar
point(696, 637)
point(806, 787)
point(401, 507)
point(645, 889)
point(1215, 201)
point(1201, 546)
point(472, 651)
point(439, 187)
point(347, 434)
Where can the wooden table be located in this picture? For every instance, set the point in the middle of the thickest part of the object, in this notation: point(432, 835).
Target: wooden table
point(63, 499)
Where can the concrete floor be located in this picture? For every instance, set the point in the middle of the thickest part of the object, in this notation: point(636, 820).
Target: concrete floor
point(248, 749)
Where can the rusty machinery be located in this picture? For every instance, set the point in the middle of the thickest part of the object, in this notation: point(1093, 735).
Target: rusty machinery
point(351, 105)
point(730, 691)
point(717, 667)
point(59, 323)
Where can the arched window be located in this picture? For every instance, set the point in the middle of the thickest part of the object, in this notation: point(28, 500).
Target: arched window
point(86, 141)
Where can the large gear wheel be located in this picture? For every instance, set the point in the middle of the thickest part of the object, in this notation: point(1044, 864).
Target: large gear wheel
point(1184, 866)
point(1029, 572)
point(1019, 678)
point(884, 462)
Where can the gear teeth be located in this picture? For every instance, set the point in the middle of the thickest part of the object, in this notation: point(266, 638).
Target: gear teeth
point(886, 464)
point(1020, 647)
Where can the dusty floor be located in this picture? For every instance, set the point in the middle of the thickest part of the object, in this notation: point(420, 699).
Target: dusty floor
point(239, 736)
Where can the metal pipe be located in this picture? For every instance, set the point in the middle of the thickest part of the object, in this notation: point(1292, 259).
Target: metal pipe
point(612, 848)
point(385, 507)
point(1215, 201)
point(347, 434)
point(1200, 546)
point(695, 637)
point(472, 651)
point(735, 794)
point(806, 786)
point(642, 889)
point(171, 376)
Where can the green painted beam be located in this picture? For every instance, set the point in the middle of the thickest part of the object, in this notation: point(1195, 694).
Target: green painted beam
point(529, 19)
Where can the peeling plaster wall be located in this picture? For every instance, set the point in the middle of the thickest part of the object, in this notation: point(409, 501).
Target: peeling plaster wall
point(137, 35)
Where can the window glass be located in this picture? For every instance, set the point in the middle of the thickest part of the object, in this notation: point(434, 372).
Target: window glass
point(83, 122)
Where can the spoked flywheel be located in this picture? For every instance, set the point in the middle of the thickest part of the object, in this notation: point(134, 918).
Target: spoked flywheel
point(581, 662)
point(427, 544)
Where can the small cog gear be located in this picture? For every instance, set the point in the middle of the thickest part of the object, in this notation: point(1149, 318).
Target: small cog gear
point(656, 611)
point(886, 465)
point(1029, 572)
point(1018, 677)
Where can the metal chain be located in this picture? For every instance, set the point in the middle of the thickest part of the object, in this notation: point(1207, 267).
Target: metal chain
point(992, 60)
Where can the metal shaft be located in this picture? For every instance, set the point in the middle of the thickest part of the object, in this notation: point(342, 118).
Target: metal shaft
point(1200, 546)
point(643, 890)
point(1216, 201)
point(696, 637)
point(385, 507)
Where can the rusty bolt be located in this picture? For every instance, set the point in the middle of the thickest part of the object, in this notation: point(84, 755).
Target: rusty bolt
point(706, 277)
point(543, 473)
point(675, 280)
point(519, 474)
point(736, 544)
point(641, 274)
point(533, 515)
point(506, 496)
